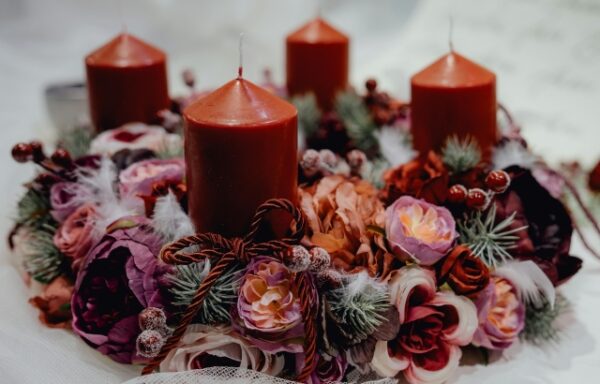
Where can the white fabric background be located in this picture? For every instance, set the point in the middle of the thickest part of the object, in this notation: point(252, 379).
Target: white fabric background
point(546, 54)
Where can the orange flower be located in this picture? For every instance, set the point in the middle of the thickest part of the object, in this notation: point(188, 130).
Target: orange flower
point(346, 218)
point(55, 303)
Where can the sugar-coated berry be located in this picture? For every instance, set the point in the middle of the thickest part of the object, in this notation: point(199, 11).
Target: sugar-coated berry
point(371, 85)
point(22, 152)
point(457, 194)
point(149, 343)
point(319, 259)
point(62, 158)
point(477, 198)
point(152, 318)
point(298, 259)
point(310, 162)
point(498, 181)
point(329, 279)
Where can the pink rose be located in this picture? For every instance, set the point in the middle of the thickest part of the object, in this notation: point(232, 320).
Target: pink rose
point(75, 236)
point(139, 178)
point(433, 327)
point(203, 347)
point(501, 315)
point(66, 197)
point(135, 136)
point(423, 231)
point(268, 308)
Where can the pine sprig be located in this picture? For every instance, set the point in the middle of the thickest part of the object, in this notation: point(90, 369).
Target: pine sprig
point(461, 155)
point(357, 120)
point(216, 305)
point(308, 113)
point(360, 314)
point(540, 322)
point(33, 210)
point(42, 260)
point(77, 141)
point(489, 240)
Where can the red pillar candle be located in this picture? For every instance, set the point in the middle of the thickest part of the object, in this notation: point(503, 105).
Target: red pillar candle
point(453, 96)
point(240, 150)
point(317, 62)
point(127, 81)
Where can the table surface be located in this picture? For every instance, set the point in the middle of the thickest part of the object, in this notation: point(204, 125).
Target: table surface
point(546, 54)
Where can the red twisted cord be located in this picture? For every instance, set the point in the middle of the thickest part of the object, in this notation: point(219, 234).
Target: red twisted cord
point(229, 250)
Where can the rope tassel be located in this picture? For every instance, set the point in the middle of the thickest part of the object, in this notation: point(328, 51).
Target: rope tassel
point(227, 251)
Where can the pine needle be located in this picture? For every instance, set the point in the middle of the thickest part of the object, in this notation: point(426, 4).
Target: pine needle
point(308, 113)
point(461, 155)
point(33, 210)
point(357, 120)
point(489, 240)
point(77, 141)
point(42, 260)
point(540, 321)
point(217, 304)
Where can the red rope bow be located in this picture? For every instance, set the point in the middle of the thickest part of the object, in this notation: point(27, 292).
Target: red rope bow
point(227, 251)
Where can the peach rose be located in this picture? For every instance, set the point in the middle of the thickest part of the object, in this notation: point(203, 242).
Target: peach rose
point(75, 236)
point(346, 218)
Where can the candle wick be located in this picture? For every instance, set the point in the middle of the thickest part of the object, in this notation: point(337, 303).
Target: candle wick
point(241, 52)
point(451, 33)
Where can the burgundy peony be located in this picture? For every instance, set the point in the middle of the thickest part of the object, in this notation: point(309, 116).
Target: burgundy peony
point(548, 237)
point(119, 278)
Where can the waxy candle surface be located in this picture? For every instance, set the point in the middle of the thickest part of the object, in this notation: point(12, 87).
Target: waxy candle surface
point(127, 82)
point(240, 150)
point(317, 62)
point(453, 96)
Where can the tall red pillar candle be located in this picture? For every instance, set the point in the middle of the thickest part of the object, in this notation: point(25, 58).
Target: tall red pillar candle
point(240, 150)
point(127, 81)
point(317, 62)
point(453, 96)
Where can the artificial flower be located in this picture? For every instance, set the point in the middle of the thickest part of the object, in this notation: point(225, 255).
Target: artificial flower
point(203, 346)
point(433, 327)
point(594, 178)
point(125, 157)
point(75, 236)
point(135, 136)
point(418, 229)
point(66, 197)
point(268, 309)
point(464, 272)
point(345, 217)
point(120, 277)
point(501, 315)
point(547, 239)
point(329, 370)
point(424, 178)
point(54, 303)
point(139, 178)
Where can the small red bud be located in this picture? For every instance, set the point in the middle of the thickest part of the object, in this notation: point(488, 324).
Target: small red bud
point(371, 85)
point(498, 181)
point(477, 199)
point(62, 158)
point(21, 152)
point(457, 194)
point(37, 150)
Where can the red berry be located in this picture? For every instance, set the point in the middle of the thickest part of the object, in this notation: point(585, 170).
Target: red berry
point(21, 152)
point(498, 181)
point(457, 194)
point(37, 149)
point(477, 199)
point(371, 85)
point(62, 158)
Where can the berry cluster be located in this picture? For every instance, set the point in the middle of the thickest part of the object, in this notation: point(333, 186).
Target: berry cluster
point(384, 109)
point(155, 331)
point(60, 164)
point(476, 198)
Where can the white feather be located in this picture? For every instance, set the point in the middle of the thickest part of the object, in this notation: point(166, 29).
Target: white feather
point(513, 153)
point(103, 184)
point(169, 220)
point(362, 283)
point(395, 146)
point(530, 281)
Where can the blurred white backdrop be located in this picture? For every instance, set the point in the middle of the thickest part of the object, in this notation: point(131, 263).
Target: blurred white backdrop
point(546, 54)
